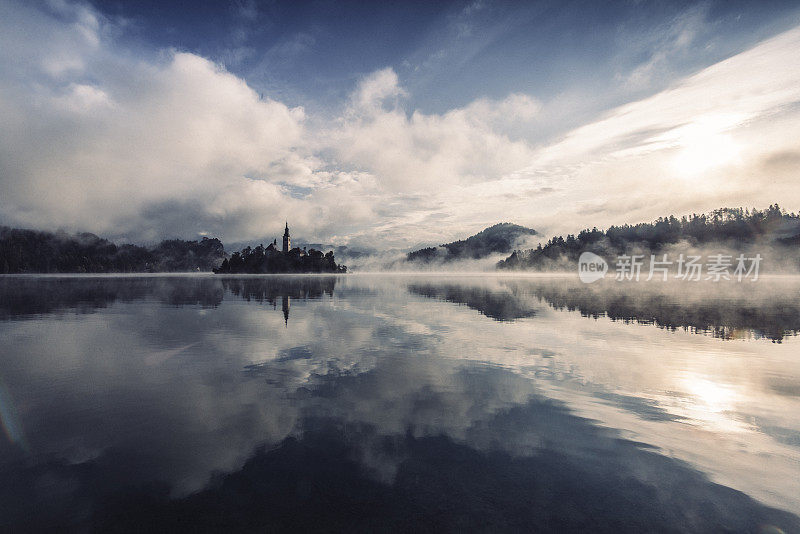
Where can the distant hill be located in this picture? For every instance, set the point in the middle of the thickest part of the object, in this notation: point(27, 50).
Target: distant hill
point(32, 251)
point(500, 238)
point(728, 228)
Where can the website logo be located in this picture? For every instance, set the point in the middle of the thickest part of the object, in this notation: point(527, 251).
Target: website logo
point(591, 267)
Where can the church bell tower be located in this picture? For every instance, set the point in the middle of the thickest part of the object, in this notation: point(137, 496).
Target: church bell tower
point(287, 241)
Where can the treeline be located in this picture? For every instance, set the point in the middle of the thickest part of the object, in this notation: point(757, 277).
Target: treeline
point(30, 251)
point(734, 227)
point(260, 260)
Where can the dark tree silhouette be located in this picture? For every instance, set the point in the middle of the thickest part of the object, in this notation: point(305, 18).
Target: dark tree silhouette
point(734, 227)
point(30, 251)
point(269, 260)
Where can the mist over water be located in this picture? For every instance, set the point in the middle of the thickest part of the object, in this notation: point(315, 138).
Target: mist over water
point(393, 402)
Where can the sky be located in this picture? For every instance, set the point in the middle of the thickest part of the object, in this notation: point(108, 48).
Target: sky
point(391, 125)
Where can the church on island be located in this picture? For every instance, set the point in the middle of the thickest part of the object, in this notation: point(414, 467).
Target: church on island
point(287, 243)
point(270, 260)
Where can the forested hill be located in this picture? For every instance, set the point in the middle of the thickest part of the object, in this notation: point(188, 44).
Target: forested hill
point(502, 237)
point(30, 251)
point(733, 228)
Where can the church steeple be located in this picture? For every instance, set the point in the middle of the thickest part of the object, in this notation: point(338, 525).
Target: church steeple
point(285, 303)
point(287, 241)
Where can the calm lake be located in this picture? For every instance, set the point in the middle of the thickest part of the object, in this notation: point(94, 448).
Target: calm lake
point(390, 402)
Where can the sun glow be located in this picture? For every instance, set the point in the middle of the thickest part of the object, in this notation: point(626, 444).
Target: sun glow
point(705, 144)
point(709, 404)
point(712, 397)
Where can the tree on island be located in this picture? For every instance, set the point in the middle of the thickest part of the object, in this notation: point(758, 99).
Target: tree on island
point(270, 260)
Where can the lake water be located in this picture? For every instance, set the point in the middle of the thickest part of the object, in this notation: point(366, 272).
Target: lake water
point(376, 402)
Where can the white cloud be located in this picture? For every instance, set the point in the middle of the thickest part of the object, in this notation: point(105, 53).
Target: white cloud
point(423, 152)
point(94, 154)
point(373, 91)
point(83, 99)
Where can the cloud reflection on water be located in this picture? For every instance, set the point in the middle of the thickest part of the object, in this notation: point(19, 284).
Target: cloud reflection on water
point(401, 385)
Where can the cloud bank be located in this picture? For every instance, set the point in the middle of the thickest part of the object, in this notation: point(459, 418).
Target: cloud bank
point(98, 137)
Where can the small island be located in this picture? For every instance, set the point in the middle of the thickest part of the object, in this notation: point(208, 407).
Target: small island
point(270, 260)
